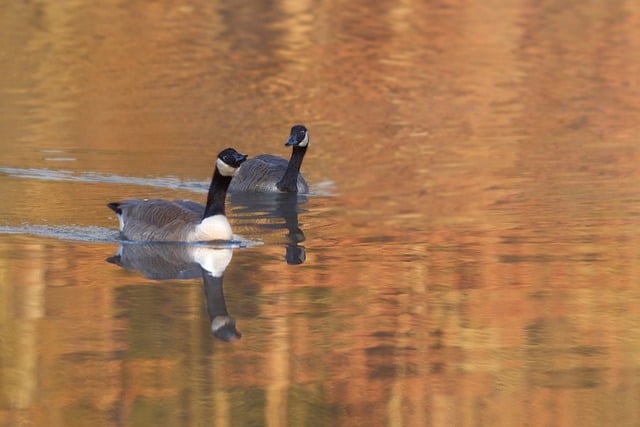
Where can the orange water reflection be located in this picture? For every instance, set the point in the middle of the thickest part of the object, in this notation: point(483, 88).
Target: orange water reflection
point(475, 264)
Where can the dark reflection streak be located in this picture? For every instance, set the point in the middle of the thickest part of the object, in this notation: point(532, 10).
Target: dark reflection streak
point(285, 206)
point(165, 261)
point(222, 325)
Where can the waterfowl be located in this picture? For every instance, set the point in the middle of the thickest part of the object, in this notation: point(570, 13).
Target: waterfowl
point(273, 174)
point(156, 220)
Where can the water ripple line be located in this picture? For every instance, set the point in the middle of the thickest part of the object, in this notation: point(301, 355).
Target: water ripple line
point(91, 177)
point(94, 234)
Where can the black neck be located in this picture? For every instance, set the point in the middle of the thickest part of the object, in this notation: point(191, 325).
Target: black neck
point(223, 326)
point(289, 181)
point(214, 295)
point(217, 194)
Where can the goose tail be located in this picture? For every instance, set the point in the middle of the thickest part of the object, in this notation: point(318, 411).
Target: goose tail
point(116, 207)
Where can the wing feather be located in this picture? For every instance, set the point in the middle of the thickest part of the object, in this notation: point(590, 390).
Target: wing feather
point(159, 220)
point(262, 173)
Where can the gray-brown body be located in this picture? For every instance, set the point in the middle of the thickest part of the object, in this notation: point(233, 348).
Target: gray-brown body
point(157, 220)
point(261, 174)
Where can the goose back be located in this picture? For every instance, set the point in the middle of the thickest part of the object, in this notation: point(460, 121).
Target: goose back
point(261, 174)
point(158, 220)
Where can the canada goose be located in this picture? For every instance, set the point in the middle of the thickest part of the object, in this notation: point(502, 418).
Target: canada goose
point(158, 220)
point(268, 173)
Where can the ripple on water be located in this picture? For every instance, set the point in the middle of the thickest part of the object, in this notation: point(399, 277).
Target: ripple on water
point(74, 233)
point(63, 175)
point(101, 235)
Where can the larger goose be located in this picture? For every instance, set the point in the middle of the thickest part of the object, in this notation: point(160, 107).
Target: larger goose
point(273, 174)
point(158, 220)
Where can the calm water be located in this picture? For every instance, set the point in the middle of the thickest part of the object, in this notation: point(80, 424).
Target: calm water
point(470, 255)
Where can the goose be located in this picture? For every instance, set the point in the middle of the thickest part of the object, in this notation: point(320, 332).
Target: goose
point(156, 220)
point(273, 174)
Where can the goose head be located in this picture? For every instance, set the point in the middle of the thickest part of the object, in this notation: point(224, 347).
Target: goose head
point(228, 161)
point(299, 136)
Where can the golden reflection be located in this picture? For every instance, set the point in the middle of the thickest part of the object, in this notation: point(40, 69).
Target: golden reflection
point(26, 305)
point(477, 263)
point(181, 261)
point(257, 210)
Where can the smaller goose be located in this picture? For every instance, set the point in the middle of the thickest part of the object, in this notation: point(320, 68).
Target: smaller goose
point(158, 220)
point(272, 174)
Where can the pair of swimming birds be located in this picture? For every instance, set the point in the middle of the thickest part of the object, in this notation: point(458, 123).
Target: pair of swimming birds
point(156, 220)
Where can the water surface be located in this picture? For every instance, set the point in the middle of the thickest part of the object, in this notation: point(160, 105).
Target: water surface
point(469, 254)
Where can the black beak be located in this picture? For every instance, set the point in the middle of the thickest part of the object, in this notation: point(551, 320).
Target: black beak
point(239, 158)
point(291, 141)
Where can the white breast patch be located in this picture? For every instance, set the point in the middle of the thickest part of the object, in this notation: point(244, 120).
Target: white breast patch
point(215, 227)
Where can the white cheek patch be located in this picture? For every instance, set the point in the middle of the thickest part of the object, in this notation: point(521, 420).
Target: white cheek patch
point(305, 141)
point(225, 169)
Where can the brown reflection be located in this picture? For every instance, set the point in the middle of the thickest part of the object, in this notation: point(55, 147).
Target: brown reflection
point(261, 209)
point(178, 261)
point(478, 264)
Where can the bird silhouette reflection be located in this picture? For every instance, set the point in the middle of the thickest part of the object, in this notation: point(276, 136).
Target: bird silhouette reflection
point(165, 261)
point(250, 208)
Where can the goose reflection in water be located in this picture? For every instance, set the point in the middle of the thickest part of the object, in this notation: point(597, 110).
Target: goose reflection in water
point(165, 261)
point(249, 207)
